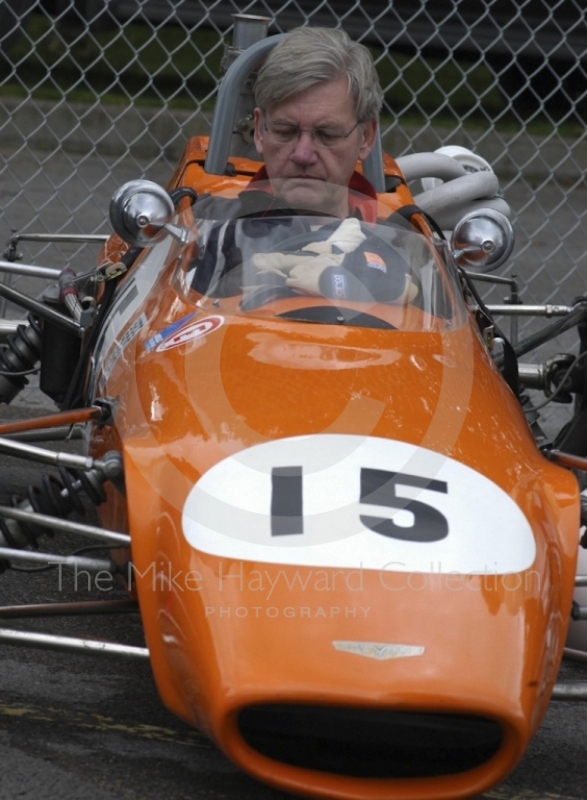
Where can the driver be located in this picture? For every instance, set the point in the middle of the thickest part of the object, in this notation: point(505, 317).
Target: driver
point(318, 101)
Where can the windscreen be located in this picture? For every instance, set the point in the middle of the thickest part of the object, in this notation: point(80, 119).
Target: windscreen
point(321, 269)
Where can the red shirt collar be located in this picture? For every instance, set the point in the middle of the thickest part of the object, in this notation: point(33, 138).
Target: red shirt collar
point(362, 195)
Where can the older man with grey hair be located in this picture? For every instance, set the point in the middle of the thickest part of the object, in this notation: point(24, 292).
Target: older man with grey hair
point(318, 102)
point(317, 107)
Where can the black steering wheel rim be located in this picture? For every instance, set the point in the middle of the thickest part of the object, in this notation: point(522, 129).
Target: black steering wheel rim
point(265, 295)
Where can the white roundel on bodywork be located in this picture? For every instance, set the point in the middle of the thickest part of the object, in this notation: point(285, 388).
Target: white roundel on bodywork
point(333, 500)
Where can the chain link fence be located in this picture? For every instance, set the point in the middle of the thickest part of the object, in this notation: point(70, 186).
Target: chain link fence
point(96, 92)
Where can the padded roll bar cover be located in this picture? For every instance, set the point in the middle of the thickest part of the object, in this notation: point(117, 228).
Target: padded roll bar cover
point(458, 192)
point(430, 165)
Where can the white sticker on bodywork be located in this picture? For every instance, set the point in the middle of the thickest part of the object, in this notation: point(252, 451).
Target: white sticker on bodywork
point(120, 347)
point(130, 296)
point(350, 501)
point(191, 331)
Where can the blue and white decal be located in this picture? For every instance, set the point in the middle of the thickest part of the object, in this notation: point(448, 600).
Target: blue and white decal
point(333, 500)
point(160, 336)
point(193, 330)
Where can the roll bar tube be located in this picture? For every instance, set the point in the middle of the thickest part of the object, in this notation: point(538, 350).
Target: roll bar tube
point(226, 108)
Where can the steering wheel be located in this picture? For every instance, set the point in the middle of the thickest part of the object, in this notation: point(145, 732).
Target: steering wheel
point(265, 294)
point(295, 243)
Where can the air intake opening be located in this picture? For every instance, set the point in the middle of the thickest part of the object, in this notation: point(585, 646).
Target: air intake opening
point(370, 743)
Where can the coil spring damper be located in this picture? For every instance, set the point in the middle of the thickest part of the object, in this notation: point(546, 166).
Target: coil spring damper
point(55, 496)
point(59, 496)
point(20, 356)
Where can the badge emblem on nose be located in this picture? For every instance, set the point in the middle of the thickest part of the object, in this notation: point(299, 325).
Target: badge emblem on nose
point(378, 651)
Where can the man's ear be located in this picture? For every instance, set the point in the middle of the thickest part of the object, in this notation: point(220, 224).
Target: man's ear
point(258, 135)
point(370, 133)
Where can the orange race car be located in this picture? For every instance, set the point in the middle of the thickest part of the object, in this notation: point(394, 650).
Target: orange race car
point(353, 547)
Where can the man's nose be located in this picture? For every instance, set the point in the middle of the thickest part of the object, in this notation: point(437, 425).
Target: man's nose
point(305, 150)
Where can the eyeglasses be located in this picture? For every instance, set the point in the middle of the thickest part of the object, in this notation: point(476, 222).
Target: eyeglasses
point(281, 133)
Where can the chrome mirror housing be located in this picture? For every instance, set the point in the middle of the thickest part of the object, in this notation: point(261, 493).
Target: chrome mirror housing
point(140, 211)
point(483, 239)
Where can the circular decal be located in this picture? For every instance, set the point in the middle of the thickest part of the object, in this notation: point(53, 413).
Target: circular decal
point(191, 331)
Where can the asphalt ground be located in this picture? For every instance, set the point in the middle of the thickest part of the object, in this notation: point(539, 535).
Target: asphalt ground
point(79, 725)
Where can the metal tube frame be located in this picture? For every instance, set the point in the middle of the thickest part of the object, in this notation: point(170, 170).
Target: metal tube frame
point(567, 690)
point(63, 418)
point(76, 562)
point(483, 276)
point(56, 459)
point(40, 309)
point(60, 238)
point(548, 310)
point(567, 460)
point(575, 655)
point(60, 433)
point(56, 523)
point(50, 641)
point(29, 270)
point(70, 609)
